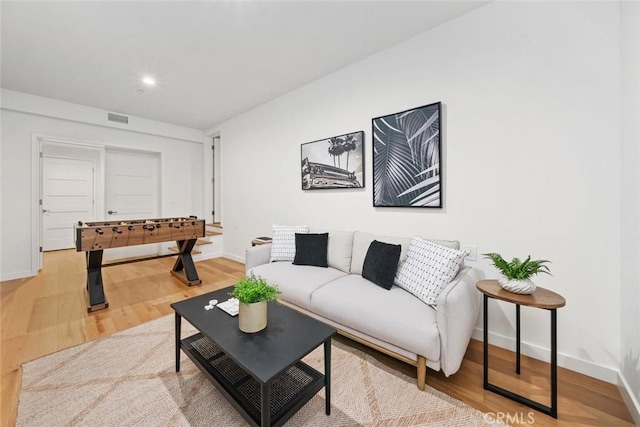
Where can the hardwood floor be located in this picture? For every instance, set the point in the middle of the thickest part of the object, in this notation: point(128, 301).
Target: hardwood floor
point(47, 313)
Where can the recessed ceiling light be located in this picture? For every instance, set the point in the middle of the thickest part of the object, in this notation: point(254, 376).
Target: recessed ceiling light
point(149, 81)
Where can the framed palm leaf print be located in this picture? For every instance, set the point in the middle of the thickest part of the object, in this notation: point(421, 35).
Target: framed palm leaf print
point(407, 158)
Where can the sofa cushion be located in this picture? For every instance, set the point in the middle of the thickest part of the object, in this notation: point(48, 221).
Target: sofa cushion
point(283, 247)
point(428, 269)
point(361, 242)
point(381, 263)
point(339, 249)
point(394, 316)
point(296, 282)
point(311, 249)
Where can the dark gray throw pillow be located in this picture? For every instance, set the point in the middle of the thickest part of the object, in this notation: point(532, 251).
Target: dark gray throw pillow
point(381, 263)
point(311, 249)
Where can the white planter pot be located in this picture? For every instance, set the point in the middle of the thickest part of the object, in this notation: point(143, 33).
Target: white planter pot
point(252, 317)
point(524, 286)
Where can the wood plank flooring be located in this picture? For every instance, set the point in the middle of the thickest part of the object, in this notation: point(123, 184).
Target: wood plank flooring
point(47, 313)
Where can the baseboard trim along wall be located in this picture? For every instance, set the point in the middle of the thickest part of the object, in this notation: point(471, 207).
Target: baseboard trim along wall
point(17, 275)
point(234, 257)
point(205, 256)
point(603, 373)
point(629, 398)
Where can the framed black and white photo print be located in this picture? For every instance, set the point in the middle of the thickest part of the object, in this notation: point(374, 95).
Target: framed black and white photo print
point(407, 158)
point(336, 162)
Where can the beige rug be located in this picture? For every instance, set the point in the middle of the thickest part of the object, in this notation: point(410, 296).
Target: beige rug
point(129, 379)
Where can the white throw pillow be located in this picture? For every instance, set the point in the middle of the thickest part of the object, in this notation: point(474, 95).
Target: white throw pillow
point(283, 246)
point(429, 267)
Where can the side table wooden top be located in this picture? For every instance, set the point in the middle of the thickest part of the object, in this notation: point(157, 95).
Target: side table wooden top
point(540, 298)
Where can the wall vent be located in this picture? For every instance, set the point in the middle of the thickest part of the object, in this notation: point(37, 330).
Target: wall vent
point(117, 118)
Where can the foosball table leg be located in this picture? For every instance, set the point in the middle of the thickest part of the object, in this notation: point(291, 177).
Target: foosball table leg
point(184, 268)
point(95, 290)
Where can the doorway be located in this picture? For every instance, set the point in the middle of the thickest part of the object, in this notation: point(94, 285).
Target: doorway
point(66, 192)
point(70, 190)
point(216, 179)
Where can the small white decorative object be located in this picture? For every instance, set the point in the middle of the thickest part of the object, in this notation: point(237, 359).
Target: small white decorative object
point(523, 286)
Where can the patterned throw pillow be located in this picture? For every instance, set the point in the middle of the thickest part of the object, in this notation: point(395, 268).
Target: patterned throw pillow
point(283, 246)
point(429, 267)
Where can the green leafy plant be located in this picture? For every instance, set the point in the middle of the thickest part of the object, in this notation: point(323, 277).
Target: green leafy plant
point(254, 289)
point(516, 269)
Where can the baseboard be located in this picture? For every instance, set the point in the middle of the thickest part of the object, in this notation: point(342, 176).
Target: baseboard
point(590, 369)
point(17, 275)
point(629, 399)
point(233, 257)
point(205, 256)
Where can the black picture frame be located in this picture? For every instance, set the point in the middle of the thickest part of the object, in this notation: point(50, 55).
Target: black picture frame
point(332, 163)
point(407, 158)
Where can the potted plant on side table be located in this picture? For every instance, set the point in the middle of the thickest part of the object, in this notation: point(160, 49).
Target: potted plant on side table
point(252, 294)
point(516, 274)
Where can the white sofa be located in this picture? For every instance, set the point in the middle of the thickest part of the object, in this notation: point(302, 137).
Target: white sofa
point(392, 321)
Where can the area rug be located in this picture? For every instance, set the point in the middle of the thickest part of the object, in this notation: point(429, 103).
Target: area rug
point(129, 379)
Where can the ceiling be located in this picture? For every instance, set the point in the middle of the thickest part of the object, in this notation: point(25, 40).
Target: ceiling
point(212, 60)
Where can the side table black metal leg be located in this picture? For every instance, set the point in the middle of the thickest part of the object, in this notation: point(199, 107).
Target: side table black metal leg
point(485, 326)
point(518, 339)
point(178, 319)
point(543, 299)
point(327, 376)
point(554, 365)
point(265, 404)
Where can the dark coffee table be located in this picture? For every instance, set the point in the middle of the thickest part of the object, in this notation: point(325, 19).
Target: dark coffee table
point(261, 374)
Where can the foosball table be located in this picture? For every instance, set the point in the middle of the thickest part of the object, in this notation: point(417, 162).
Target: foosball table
point(94, 237)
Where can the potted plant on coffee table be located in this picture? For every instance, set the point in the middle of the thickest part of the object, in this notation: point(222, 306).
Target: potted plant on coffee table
point(516, 274)
point(252, 293)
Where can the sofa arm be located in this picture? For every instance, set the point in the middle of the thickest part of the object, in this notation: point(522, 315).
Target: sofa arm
point(458, 306)
point(257, 255)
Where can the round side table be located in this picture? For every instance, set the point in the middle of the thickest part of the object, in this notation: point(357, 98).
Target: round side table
point(540, 298)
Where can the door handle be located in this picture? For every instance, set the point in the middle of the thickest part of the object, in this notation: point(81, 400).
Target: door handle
point(112, 212)
point(45, 210)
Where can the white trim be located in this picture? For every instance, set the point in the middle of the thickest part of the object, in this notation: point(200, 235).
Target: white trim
point(16, 275)
point(604, 373)
point(48, 107)
point(233, 257)
point(629, 398)
point(220, 207)
point(206, 256)
point(36, 217)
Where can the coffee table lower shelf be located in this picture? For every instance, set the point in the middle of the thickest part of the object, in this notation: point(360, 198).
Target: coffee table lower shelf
point(289, 390)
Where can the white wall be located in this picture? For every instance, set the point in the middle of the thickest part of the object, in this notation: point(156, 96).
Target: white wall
point(181, 169)
point(630, 267)
point(531, 95)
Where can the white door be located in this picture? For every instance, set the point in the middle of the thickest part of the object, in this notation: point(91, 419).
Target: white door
point(131, 192)
point(67, 197)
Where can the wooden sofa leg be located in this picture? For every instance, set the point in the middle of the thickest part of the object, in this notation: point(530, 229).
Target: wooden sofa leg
point(422, 372)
